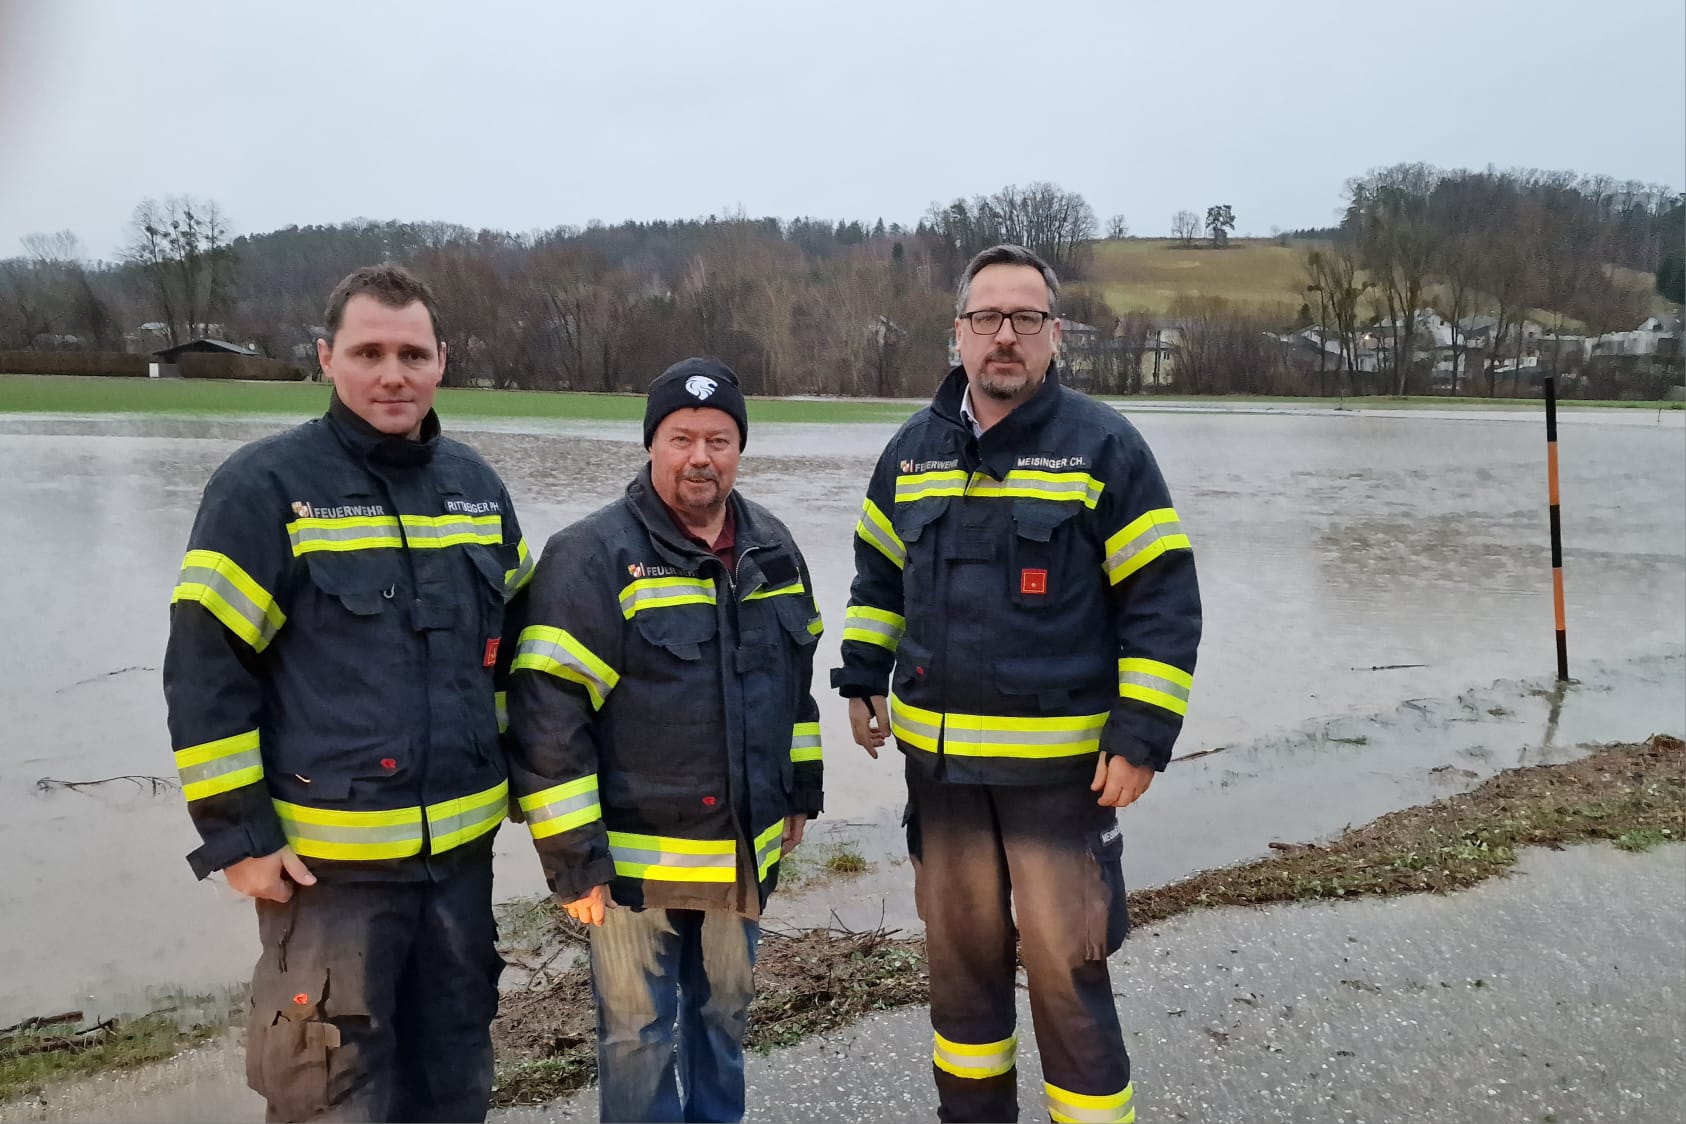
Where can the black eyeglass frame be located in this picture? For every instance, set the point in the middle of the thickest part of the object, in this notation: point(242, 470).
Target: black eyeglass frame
point(1042, 319)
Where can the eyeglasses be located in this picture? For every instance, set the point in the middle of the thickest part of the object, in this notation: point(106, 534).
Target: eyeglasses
point(987, 321)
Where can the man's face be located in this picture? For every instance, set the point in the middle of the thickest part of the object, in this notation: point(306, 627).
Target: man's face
point(1007, 366)
point(385, 363)
point(694, 461)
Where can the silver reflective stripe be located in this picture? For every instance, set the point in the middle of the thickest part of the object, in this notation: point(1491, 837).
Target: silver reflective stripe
point(384, 529)
point(221, 767)
point(645, 857)
point(324, 833)
point(556, 653)
point(856, 622)
point(1148, 537)
point(1153, 683)
point(440, 827)
point(955, 735)
point(1067, 1106)
point(234, 598)
point(447, 528)
point(914, 726)
point(975, 1062)
point(874, 534)
point(638, 596)
point(558, 808)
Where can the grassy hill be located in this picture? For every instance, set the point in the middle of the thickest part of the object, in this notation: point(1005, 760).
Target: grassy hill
point(1147, 274)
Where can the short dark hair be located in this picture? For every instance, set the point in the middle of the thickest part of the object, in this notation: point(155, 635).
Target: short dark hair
point(1005, 254)
point(389, 283)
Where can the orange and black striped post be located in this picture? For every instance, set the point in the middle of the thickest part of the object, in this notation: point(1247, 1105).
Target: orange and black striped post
point(1556, 528)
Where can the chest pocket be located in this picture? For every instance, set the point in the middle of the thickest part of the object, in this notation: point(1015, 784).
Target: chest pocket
point(1045, 552)
point(677, 632)
point(364, 584)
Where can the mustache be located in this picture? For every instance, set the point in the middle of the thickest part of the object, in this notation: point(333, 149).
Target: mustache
point(1002, 355)
point(701, 476)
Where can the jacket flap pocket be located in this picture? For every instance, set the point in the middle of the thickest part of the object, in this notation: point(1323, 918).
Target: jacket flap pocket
point(681, 629)
point(1037, 520)
point(362, 584)
point(911, 519)
point(798, 618)
point(1052, 679)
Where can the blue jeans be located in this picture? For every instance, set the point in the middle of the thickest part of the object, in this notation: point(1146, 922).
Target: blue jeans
point(657, 970)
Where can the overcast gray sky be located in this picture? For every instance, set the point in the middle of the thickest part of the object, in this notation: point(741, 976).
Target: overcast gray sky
point(523, 116)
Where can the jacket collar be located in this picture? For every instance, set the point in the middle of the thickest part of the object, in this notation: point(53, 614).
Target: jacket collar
point(999, 447)
point(370, 444)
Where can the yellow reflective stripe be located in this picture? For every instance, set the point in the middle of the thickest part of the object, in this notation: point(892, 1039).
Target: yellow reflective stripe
point(1153, 682)
point(514, 581)
point(769, 847)
point(1081, 1108)
point(228, 593)
point(963, 1059)
point(663, 858)
point(924, 485)
point(219, 766)
point(1024, 483)
point(431, 532)
point(451, 823)
point(1142, 540)
point(554, 651)
point(659, 593)
point(500, 702)
point(324, 833)
point(816, 627)
point(876, 530)
point(353, 532)
point(984, 735)
point(778, 591)
point(805, 742)
point(562, 807)
point(873, 626)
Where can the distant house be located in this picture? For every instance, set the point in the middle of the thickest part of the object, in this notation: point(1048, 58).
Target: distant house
point(202, 346)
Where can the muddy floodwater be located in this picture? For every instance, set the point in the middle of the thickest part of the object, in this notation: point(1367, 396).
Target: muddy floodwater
point(1378, 629)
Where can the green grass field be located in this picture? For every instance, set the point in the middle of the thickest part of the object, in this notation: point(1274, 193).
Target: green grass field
point(71, 394)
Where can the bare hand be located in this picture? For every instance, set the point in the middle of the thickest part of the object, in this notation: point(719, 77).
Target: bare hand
point(1121, 781)
point(270, 877)
point(869, 723)
point(590, 909)
point(793, 826)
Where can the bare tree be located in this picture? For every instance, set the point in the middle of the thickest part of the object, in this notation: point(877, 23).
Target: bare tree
point(1185, 227)
point(1389, 216)
point(181, 245)
point(1117, 227)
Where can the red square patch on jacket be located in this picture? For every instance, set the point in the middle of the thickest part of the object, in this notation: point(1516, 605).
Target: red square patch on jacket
point(1034, 582)
point(491, 657)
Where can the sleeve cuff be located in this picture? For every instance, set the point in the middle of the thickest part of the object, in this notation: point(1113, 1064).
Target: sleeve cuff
point(860, 682)
point(1120, 742)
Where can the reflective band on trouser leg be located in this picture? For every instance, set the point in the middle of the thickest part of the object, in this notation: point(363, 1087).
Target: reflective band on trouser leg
point(212, 767)
point(451, 823)
point(768, 847)
point(878, 532)
point(322, 833)
point(990, 1059)
point(873, 626)
point(805, 742)
point(375, 532)
point(1153, 682)
point(228, 593)
point(789, 590)
point(924, 485)
point(1145, 539)
point(514, 580)
point(424, 532)
point(500, 701)
point(1022, 483)
point(659, 593)
point(562, 807)
point(663, 858)
point(1078, 1108)
point(554, 651)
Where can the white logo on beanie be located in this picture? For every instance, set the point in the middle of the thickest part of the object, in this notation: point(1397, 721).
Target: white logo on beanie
point(701, 386)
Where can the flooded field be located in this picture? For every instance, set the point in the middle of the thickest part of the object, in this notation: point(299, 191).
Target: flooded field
point(1378, 606)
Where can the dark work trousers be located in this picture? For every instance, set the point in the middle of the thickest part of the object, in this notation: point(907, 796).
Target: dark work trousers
point(374, 1000)
point(1051, 857)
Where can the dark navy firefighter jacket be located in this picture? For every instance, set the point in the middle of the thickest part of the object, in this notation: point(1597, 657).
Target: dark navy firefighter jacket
point(661, 720)
point(333, 639)
point(1025, 598)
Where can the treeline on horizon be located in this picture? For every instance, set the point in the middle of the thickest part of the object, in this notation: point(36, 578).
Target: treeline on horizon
point(815, 306)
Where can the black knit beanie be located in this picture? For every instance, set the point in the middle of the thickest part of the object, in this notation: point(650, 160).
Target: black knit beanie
point(695, 382)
